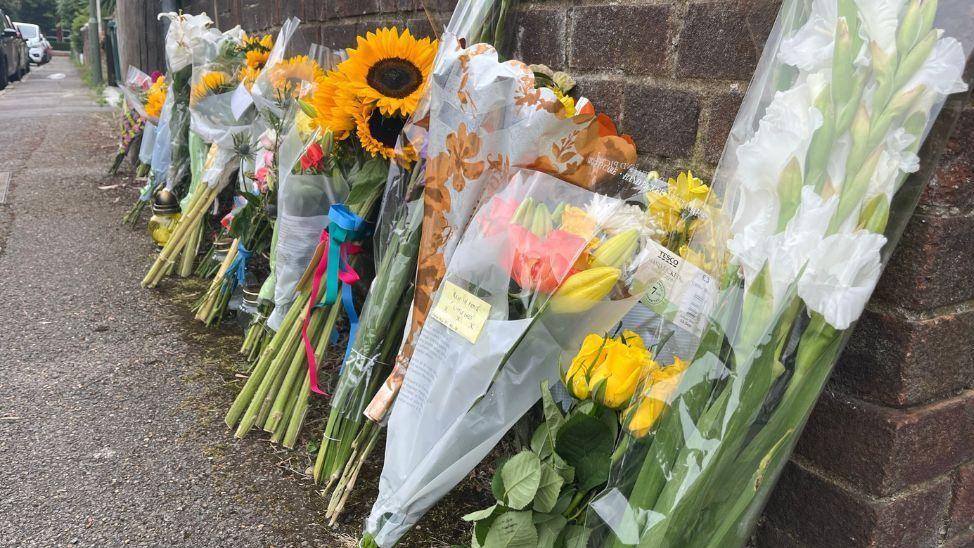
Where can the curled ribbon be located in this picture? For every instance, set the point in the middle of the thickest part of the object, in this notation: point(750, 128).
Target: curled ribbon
point(238, 267)
point(338, 239)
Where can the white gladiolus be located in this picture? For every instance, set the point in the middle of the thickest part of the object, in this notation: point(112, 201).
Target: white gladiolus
point(841, 275)
point(811, 47)
point(943, 71)
point(784, 132)
point(880, 18)
point(755, 220)
point(896, 159)
point(790, 250)
point(186, 33)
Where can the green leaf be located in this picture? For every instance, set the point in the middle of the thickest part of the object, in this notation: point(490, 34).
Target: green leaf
point(540, 443)
point(497, 482)
point(520, 476)
point(479, 536)
point(564, 501)
point(548, 489)
point(512, 530)
point(366, 182)
point(480, 514)
point(586, 444)
point(574, 536)
point(565, 470)
point(549, 527)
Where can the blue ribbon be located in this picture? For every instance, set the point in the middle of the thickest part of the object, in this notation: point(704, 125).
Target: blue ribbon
point(238, 267)
point(343, 227)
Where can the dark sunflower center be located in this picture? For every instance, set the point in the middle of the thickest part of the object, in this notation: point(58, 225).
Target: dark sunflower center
point(385, 130)
point(395, 77)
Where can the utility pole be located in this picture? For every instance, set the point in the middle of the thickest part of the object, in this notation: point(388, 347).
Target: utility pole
point(94, 35)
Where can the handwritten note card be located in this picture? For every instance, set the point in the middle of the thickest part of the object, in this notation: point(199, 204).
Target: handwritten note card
point(461, 312)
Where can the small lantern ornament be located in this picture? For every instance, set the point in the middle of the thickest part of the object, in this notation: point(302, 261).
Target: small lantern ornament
point(165, 214)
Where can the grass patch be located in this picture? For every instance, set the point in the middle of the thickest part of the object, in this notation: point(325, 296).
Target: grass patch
point(88, 77)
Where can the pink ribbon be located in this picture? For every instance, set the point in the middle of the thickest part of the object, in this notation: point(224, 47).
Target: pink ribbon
point(347, 275)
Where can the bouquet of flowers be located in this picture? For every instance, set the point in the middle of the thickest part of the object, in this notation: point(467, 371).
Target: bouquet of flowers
point(358, 121)
point(543, 263)
point(350, 438)
point(487, 117)
point(217, 71)
point(144, 96)
point(815, 191)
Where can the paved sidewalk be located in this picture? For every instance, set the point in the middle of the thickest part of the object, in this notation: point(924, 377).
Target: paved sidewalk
point(110, 405)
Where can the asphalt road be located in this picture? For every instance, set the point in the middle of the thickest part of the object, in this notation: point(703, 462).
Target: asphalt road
point(110, 405)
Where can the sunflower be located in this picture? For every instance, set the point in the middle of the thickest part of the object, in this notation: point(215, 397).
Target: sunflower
point(248, 75)
point(389, 69)
point(257, 50)
point(335, 105)
point(211, 83)
point(378, 133)
point(294, 76)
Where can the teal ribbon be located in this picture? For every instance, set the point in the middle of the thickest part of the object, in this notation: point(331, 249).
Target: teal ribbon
point(344, 228)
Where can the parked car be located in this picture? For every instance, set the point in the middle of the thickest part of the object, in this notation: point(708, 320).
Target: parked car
point(39, 50)
point(14, 63)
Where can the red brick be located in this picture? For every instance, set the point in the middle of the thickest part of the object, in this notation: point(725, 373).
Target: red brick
point(606, 95)
point(339, 36)
point(814, 511)
point(716, 42)
point(350, 8)
point(662, 121)
point(961, 520)
point(540, 37)
point(882, 450)
point(635, 39)
point(420, 27)
point(721, 114)
point(897, 359)
point(931, 266)
point(953, 181)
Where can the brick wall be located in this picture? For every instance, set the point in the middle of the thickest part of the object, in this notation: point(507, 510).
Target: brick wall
point(888, 456)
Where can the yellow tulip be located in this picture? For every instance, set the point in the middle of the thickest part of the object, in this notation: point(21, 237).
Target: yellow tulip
point(658, 393)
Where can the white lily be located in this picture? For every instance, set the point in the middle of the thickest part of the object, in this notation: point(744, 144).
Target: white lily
point(841, 274)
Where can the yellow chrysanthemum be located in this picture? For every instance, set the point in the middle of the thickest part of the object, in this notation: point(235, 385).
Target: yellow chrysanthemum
point(211, 83)
point(296, 76)
point(378, 133)
point(389, 69)
point(155, 98)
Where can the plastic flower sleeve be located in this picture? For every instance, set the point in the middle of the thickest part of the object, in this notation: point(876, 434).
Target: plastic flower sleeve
point(186, 39)
point(303, 201)
point(814, 185)
point(486, 118)
point(134, 89)
point(522, 289)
